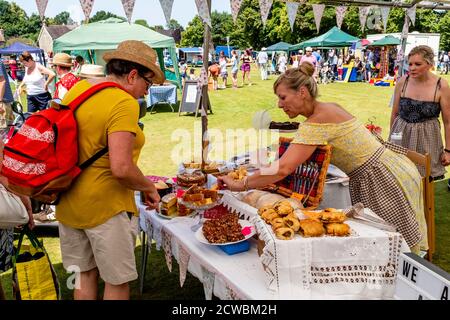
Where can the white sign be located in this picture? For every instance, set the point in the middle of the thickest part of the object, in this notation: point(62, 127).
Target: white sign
point(191, 94)
point(420, 279)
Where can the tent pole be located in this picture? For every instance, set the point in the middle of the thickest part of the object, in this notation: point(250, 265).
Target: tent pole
point(205, 98)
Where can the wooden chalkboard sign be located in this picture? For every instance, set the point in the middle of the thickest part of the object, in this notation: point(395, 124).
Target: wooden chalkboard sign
point(191, 100)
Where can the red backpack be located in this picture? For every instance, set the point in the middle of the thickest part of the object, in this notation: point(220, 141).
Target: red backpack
point(41, 159)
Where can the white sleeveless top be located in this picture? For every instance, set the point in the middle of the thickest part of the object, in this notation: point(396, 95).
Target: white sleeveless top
point(35, 81)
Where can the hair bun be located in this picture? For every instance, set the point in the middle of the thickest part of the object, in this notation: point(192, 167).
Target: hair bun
point(307, 68)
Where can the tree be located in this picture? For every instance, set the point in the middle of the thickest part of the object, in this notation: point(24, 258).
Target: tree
point(174, 24)
point(103, 15)
point(142, 22)
point(62, 18)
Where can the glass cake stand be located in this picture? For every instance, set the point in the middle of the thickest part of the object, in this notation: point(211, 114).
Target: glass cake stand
point(200, 210)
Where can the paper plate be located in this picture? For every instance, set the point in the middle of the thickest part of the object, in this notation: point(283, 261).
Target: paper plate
point(244, 223)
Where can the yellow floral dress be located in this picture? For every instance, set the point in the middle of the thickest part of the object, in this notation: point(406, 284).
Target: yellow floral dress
point(383, 180)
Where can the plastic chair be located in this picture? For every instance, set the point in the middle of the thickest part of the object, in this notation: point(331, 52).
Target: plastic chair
point(428, 198)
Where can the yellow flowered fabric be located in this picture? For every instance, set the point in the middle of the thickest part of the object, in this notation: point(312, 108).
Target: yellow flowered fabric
point(353, 145)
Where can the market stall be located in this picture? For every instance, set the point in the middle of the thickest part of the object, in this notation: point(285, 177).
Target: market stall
point(386, 53)
point(18, 48)
point(99, 37)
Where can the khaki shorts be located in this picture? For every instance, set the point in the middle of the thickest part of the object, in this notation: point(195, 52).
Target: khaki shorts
point(108, 247)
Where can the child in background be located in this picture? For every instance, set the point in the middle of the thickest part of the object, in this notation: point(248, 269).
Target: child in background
point(192, 75)
point(214, 71)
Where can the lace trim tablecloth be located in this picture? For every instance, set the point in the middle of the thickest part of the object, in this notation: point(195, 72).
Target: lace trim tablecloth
point(361, 266)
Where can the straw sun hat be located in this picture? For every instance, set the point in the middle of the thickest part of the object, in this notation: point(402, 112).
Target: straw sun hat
point(62, 59)
point(92, 71)
point(137, 52)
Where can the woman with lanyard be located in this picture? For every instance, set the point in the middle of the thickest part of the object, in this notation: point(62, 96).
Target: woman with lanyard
point(38, 95)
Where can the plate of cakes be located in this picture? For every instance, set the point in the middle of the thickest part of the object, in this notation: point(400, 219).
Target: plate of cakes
point(200, 198)
point(170, 208)
point(226, 230)
point(285, 223)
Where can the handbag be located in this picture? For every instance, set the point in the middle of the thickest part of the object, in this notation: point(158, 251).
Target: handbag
point(33, 276)
point(12, 211)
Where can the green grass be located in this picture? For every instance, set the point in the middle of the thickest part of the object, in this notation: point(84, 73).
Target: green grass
point(233, 109)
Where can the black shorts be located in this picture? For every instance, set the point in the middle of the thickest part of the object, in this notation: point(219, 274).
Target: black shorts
point(38, 101)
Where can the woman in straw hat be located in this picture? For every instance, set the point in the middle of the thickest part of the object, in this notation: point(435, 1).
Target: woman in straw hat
point(98, 215)
point(62, 63)
point(91, 71)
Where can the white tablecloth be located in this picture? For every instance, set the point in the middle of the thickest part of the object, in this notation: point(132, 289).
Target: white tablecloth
point(242, 276)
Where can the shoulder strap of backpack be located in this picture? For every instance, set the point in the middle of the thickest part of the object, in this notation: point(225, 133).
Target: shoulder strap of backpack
point(78, 101)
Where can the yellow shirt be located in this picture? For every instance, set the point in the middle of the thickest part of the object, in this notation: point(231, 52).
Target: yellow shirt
point(96, 195)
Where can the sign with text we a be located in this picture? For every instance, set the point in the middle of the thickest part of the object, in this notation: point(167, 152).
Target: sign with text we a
point(418, 279)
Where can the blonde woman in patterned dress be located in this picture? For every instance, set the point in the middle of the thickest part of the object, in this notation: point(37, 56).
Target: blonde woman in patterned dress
point(383, 180)
point(419, 98)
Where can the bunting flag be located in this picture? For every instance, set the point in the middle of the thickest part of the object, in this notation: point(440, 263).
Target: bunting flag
point(42, 6)
point(167, 246)
point(183, 261)
point(203, 11)
point(128, 6)
point(318, 13)
point(340, 14)
point(166, 6)
point(264, 7)
point(292, 8)
point(208, 282)
point(363, 13)
point(411, 12)
point(87, 5)
point(385, 16)
point(235, 7)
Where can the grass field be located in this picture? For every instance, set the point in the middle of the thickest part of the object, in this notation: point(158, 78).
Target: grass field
point(234, 109)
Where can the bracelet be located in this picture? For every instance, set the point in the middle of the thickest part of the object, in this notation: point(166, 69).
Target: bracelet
point(446, 150)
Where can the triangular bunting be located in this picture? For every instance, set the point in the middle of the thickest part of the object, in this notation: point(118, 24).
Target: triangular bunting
point(292, 8)
point(208, 282)
point(318, 13)
point(128, 6)
point(411, 12)
point(167, 246)
point(340, 14)
point(363, 13)
point(385, 16)
point(203, 11)
point(42, 6)
point(183, 261)
point(166, 6)
point(87, 5)
point(264, 7)
point(235, 7)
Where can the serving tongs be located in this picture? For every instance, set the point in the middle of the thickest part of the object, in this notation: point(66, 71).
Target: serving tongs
point(368, 217)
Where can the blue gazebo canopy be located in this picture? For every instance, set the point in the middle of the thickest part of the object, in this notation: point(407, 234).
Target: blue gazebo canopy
point(19, 47)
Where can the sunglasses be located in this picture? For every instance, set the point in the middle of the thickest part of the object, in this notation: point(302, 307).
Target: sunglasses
point(147, 80)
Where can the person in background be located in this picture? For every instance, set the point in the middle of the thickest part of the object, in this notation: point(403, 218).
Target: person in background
point(13, 67)
point(214, 71)
point(262, 59)
point(419, 99)
point(234, 68)
point(192, 75)
point(62, 63)
point(183, 70)
point(359, 69)
point(38, 95)
point(246, 59)
point(340, 66)
point(385, 181)
point(98, 217)
point(79, 62)
point(6, 98)
point(282, 63)
point(223, 63)
point(309, 57)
